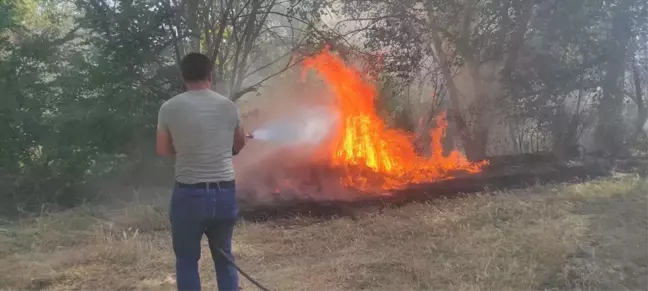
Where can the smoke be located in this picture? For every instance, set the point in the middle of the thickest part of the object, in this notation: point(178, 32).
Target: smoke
point(311, 126)
point(288, 158)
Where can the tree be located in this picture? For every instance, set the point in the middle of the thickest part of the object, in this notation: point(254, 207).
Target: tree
point(540, 63)
point(81, 90)
point(477, 39)
point(233, 33)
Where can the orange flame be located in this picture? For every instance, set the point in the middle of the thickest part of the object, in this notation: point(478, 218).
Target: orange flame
point(372, 156)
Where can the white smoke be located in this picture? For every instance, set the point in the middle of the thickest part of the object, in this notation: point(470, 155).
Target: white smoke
point(309, 126)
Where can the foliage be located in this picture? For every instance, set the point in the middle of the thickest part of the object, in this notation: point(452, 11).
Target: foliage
point(83, 81)
point(548, 63)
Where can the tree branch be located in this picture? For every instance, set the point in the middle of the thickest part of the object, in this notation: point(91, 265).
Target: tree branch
point(221, 29)
point(67, 37)
point(257, 85)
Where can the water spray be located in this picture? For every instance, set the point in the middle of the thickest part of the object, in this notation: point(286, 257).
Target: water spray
point(310, 127)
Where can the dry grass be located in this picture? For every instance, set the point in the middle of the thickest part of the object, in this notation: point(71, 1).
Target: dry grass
point(519, 240)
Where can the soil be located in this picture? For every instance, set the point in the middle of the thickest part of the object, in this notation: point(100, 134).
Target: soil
point(498, 178)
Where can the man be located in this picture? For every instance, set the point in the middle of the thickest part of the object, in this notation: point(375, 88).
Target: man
point(202, 129)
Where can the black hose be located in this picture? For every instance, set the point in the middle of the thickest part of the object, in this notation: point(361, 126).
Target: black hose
point(242, 272)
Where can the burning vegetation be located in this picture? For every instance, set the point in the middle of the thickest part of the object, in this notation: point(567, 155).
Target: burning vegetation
point(371, 156)
point(361, 153)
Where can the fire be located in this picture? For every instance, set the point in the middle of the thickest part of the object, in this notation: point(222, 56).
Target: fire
point(370, 155)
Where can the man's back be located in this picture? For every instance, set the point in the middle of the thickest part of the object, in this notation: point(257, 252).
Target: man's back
point(201, 129)
point(202, 124)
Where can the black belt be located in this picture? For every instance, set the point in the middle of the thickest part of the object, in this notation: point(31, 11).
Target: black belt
point(208, 185)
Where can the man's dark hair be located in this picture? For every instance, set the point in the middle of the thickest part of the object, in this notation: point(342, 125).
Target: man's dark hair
point(196, 67)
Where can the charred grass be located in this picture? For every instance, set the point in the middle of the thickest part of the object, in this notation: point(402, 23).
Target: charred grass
point(571, 236)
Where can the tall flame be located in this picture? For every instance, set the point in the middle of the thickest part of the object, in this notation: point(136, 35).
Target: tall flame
point(371, 155)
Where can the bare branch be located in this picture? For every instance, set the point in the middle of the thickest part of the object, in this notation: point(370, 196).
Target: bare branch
point(270, 63)
point(67, 37)
point(221, 29)
point(373, 19)
point(257, 85)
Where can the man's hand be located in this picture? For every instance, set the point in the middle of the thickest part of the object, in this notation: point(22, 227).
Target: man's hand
point(239, 140)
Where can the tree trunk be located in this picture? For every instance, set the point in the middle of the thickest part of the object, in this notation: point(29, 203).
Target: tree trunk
point(473, 141)
point(193, 24)
point(642, 111)
point(609, 131)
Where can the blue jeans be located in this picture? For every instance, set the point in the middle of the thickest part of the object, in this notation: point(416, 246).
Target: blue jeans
point(195, 212)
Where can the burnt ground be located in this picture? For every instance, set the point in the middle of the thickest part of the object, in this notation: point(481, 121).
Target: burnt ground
point(504, 173)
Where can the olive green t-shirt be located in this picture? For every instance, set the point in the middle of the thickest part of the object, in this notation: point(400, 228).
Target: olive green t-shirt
point(201, 124)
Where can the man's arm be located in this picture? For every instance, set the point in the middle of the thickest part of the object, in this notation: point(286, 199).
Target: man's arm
point(239, 140)
point(164, 143)
point(163, 140)
point(239, 134)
